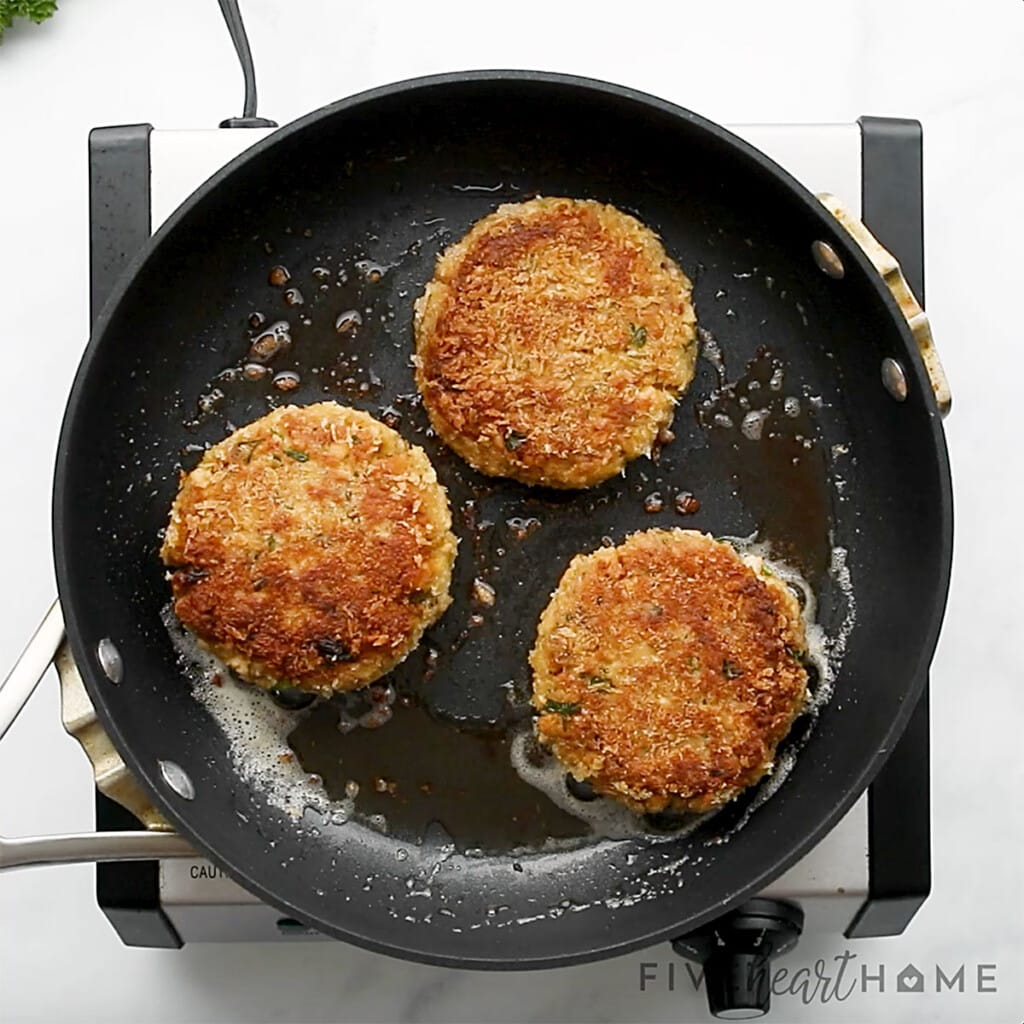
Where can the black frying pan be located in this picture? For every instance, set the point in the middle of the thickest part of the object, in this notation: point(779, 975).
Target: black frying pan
point(393, 175)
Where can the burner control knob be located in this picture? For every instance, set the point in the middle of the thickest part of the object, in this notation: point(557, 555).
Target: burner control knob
point(736, 951)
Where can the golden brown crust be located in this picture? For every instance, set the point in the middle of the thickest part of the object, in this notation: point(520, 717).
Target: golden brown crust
point(554, 341)
point(667, 670)
point(311, 548)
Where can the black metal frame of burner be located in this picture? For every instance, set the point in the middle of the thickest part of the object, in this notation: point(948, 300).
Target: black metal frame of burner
point(899, 810)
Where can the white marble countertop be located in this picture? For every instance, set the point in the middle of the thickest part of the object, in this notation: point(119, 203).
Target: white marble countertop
point(956, 67)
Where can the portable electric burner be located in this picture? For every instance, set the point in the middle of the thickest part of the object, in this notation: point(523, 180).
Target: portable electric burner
point(866, 878)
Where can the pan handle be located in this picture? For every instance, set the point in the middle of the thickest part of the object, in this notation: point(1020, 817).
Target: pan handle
point(37, 657)
point(86, 847)
point(892, 274)
point(89, 847)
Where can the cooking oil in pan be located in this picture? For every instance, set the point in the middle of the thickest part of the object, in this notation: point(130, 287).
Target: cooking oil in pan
point(763, 437)
point(493, 788)
point(256, 730)
point(407, 776)
point(419, 769)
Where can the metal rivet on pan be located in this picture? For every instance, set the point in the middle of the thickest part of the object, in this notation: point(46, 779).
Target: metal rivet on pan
point(177, 778)
point(827, 260)
point(110, 661)
point(894, 379)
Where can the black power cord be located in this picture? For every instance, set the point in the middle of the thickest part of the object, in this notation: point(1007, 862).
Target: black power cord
point(233, 20)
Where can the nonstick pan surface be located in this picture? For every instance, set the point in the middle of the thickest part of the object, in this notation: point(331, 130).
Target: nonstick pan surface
point(356, 201)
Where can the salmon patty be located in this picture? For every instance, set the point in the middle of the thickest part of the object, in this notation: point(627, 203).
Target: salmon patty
point(310, 549)
point(554, 341)
point(667, 670)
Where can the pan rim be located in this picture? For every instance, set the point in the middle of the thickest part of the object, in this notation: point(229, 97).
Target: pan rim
point(600, 947)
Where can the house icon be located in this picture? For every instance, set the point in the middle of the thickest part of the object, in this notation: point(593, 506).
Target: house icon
point(910, 979)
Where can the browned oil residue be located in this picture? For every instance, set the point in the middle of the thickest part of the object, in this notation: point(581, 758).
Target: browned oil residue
point(782, 476)
point(437, 771)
